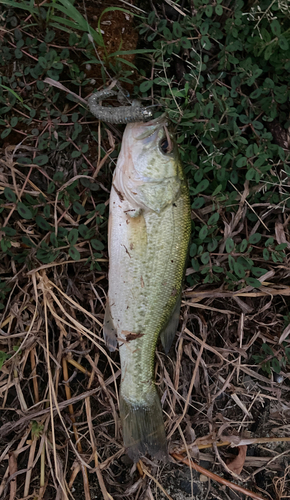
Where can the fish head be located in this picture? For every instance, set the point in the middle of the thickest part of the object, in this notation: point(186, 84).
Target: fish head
point(153, 150)
point(149, 169)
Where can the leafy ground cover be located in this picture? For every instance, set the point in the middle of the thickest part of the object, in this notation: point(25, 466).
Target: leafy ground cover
point(221, 71)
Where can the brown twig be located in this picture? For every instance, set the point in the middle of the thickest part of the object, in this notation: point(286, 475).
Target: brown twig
point(78, 441)
point(216, 478)
point(34, 375)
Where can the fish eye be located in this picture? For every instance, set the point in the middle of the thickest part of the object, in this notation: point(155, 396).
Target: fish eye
point(164, 146)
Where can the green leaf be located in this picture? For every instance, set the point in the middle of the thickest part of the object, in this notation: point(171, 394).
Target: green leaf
point(79, 22)
point(275, 365)
point(234, 177)
point(198, 203)
point(64, 145)
point(49, 36)
point(217, 190)
point(230, 245)
point(152, 36)
point(204, 28)
point(205, 42)
point(85, 232)
point(275, 27)
point(32, 201)
point(146, 85)
point(5, 244)
point(5, 133)
point(266, 254)
point(255, 94)
point(281, 246)
point(151, 18)
point(97, 245)
point(202, 186)
point(185, 43)
point(203, 232)
point(242, 162)
point(243, 245)
point(217, 269)
point(255, 238)
point(257, 125)
point(213, 219)
point(53, 240)
point(46, 211)
point(198, 176)
point(218, 10)
point(76, 154)
point(3, 357)
point(193, 250)
point(269, 242)
point(51, 188)
point(269, 51)
point(245, 262)
point(253, 282)
point(46, 256)
point(205, 258)
point(24, 211)
point(42, 223)
point(195, 265)
point(177, 30)
point(74, 253)
point(9, 231)
point(14, 121)
point(231, 262)
point(27, 242)
point(239, 270)
point(258, 271)
point(41, 160)
point(267, 349)
point(9, 195)
point(167, 34)
point(78, 208)
point(58, 176)
point(209, 11)
point(208, 110)
point(73, 236)
point(212, 245)
point(250, 174)
point(161, 25)
point(283, 43)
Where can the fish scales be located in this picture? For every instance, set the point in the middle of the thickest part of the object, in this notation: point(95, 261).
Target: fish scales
point(149, 230)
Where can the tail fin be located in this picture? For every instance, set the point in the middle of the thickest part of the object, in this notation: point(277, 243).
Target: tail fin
point(143, 427)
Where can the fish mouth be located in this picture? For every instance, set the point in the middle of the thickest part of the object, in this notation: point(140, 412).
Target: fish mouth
point(152, 127)
point(160, 120)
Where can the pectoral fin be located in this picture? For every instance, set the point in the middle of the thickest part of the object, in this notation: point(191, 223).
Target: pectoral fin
point(168, 333)
point(109, 331)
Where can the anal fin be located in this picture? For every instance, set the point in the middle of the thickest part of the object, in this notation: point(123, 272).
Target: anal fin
point(168, 333)
point(109, 330)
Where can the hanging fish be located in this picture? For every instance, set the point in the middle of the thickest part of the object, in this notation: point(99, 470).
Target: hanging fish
point(149, 231)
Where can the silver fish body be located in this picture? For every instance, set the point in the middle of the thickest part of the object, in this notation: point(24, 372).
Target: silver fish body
point(149, 230)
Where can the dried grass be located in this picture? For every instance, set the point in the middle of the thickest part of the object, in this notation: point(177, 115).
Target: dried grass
point(60, 432)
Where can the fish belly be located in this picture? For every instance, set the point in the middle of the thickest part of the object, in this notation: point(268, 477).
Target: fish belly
point(147, 261)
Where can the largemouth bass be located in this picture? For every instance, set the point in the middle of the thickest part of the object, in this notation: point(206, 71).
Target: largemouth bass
point(149, 230)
